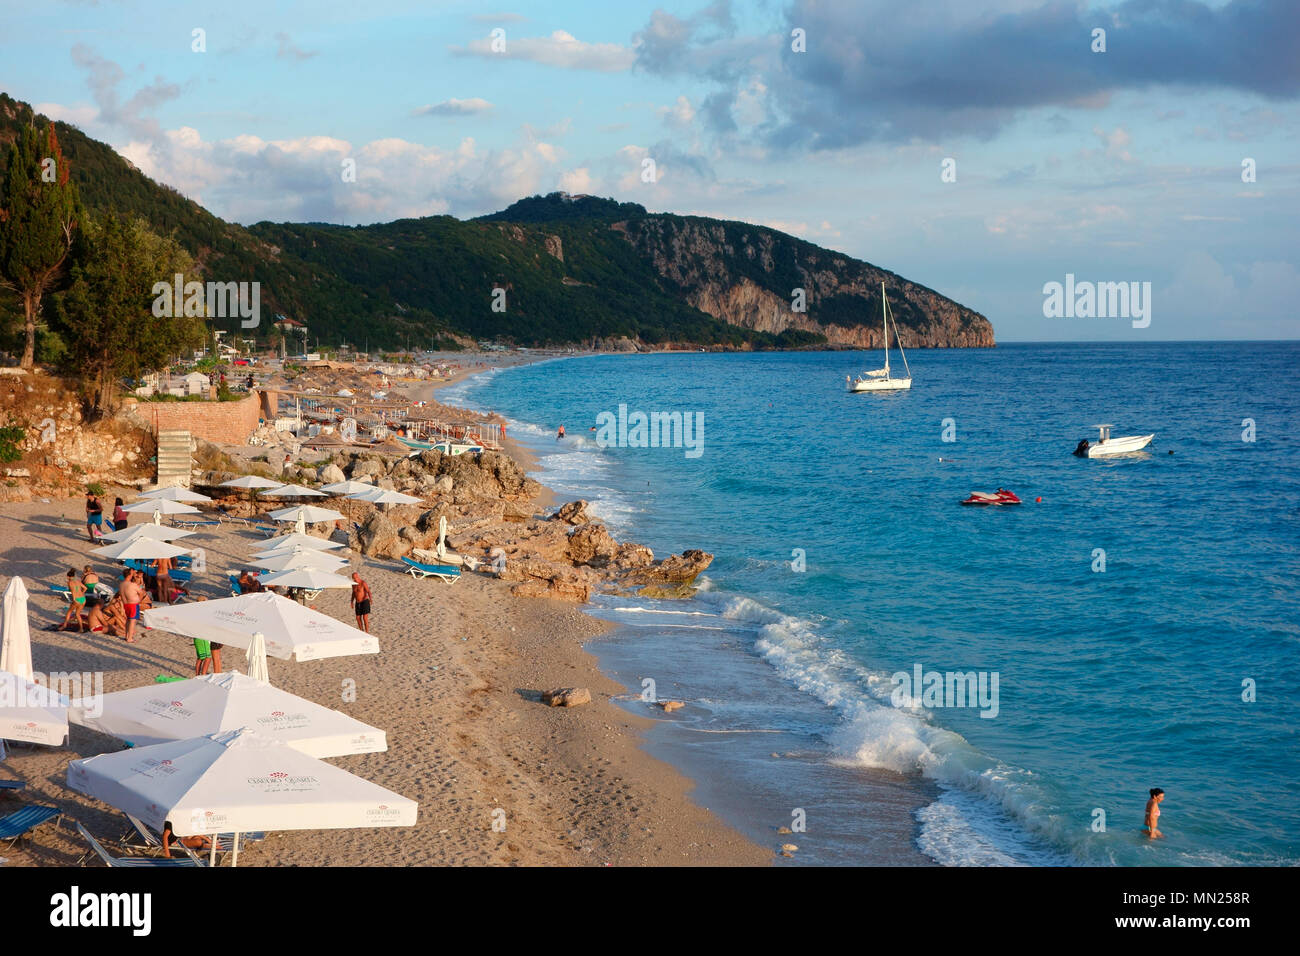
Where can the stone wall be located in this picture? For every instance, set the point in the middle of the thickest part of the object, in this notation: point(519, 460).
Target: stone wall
point(217, 422)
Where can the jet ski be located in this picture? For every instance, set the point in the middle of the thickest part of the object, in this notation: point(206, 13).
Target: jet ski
point(999, 497)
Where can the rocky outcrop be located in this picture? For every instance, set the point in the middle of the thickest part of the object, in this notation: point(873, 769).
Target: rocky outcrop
point(746, 275)
point(566, 697)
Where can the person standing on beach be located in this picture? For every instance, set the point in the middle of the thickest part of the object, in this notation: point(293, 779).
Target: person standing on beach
point(162, 568)
point(361, 601)
point(94, 515)
point(77, 602)
point(120, 516)
point(1151, 826)
point(132, 593)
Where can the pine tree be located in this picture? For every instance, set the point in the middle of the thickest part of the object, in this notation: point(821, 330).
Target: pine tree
point(39, 213)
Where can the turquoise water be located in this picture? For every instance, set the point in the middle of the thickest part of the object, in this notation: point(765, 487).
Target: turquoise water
point(1109, 681)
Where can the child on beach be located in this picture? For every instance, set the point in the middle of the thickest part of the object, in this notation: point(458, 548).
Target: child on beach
point(1153, 814)
point(78, 600)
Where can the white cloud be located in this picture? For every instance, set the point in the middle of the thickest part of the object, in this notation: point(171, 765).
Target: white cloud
point(78, 115)
point(455, 107)
point(560, 49)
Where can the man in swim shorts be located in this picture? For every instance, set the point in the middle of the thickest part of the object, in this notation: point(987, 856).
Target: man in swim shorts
point(132, 594)
point(361, 601)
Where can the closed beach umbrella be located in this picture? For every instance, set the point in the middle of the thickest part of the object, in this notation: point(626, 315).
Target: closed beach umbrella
point(157, 532)
point(173, 494)
point(291, 631)
point(300, 558)
point(250, 482)
point(309, 579)
point(384, 496)
point(348, 487)
point(295, 540)
point(293, 491)
point(257, 668)
point(219, 702)
point(236, 782)
point(139, 549)
point(31, 712)
point(15, 632)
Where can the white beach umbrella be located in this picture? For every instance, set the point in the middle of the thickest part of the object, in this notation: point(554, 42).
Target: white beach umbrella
point(303, 515)
point(309, 579)
point(384, 496)
point(139, 549)
point(173, 494)
point(31, 712)
point(300, 558)
point(15, 631)
point(291, 631)
point(295, 540)
point(159, 507)
point(293, 491)
point(236, 782)
point(349, 487)
point(250, 482)
point(157, 532)
point(214, 703)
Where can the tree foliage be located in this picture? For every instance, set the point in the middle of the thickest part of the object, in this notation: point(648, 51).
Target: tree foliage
point(106, 316)
point(40, 211)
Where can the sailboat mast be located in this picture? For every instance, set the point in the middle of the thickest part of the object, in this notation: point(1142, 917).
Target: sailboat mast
point(884, 321)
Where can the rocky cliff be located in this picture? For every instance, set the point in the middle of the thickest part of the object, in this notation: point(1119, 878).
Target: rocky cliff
point(747, 276)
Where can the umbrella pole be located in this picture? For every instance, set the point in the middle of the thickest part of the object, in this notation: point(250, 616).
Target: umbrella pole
point(212, 853)
point(234, 857)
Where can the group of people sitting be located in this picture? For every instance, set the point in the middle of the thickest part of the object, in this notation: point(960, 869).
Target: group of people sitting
point(96, 607)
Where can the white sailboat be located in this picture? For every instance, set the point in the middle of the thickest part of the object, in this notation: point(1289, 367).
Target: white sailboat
point(880, 379)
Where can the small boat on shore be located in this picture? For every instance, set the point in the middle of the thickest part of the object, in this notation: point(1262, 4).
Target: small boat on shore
point(1106, 445)
point(999, 497)
point(880, 379)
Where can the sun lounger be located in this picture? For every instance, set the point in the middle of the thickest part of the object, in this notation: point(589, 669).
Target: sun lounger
point(191, 523)
point(20, 823)
point(445, 572)
point(138, 861)
point(12, 785)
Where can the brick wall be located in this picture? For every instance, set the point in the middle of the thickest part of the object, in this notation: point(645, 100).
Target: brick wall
point(228, 422)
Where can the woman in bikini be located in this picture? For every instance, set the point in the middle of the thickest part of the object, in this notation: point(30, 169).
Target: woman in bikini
point(78, 600)
point(1151, 826)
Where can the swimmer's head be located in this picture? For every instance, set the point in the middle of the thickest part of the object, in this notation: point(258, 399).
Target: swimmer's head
point(1156, 793)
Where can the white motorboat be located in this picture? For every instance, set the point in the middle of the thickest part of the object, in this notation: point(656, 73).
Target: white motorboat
point(880, 379)
point(1107, 445)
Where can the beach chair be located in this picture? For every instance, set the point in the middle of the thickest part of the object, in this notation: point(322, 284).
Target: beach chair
point(235, 589)
point(21, 823)
point(12, 785)
point(138, 861)
point(139, 836)
point(192, 523)
point(444, 572)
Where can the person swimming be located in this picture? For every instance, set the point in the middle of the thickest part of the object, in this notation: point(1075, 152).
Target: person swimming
point(1152, 825)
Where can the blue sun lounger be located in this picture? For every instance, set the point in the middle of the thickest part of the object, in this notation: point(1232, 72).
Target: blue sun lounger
point(22, 822)
point(445, 572)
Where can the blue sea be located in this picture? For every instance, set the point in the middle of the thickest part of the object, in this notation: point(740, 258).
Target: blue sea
point(1142, 618)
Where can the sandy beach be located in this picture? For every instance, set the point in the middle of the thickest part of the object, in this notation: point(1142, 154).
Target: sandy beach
point(456, 686)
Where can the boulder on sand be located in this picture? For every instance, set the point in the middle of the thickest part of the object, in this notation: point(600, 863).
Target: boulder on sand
point(566, 697)
point(591, 544)
point(575, 512)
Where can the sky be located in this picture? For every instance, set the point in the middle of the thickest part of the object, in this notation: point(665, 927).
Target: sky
point(1171, 157)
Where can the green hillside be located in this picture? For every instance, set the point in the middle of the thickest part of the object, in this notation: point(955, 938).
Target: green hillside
point(576, 270)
